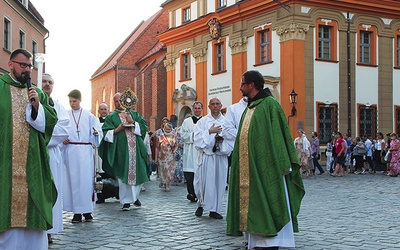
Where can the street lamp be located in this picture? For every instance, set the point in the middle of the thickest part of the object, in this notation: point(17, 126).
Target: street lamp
point(293, 101)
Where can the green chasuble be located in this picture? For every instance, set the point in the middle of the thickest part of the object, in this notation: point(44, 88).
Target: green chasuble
point(115, 156)
point(263, 155)
point(27, 190)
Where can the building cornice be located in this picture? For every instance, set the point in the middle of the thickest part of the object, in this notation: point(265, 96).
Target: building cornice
point(381, 8)
point(245, 10)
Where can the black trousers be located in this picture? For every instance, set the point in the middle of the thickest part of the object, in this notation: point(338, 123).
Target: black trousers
point(316, 163)
point(189, 176)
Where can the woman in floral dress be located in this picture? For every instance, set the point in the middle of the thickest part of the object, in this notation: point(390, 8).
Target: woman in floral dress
point(302, 146)
point(166, 146)
point(395, 160)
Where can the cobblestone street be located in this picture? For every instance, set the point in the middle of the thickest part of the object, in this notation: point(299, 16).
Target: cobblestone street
point(352, 212)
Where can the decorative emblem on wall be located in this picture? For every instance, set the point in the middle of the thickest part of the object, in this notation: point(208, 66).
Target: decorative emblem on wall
point(215, 28)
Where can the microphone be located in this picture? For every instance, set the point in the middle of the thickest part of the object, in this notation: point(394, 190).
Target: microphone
point(29, 84)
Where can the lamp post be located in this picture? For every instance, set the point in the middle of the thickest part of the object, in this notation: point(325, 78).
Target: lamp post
point(39, 59)
point(293, 101)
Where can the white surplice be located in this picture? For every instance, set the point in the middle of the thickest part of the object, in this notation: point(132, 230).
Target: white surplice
point(60, 134)
point(190, 153)
point(79, 171)
point(23, 238)
point(284, 238)
point(210, 176)
point(232, 119)
point(98, 160)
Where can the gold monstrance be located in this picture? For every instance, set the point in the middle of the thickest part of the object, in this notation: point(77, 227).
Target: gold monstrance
point(128, 100)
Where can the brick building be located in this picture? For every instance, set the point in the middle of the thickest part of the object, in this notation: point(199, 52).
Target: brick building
point(137, 63)
point(22, 27)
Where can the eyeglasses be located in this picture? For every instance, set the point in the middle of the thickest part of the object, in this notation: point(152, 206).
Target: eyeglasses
point(23, 65)
point(245, 83)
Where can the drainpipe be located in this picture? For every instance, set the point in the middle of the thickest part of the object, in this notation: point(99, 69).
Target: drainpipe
point(348, 77)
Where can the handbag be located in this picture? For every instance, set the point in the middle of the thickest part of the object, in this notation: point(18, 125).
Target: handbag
point(362, 151)
point(388, 156)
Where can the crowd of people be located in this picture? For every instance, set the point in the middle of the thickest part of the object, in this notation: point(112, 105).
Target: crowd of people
point(345, 155)
point(52, 160)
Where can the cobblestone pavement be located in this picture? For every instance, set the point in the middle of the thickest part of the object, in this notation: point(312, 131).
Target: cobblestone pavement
point(350, 212)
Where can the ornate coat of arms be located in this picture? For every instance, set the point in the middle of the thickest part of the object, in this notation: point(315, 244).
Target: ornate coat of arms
point(215, 28)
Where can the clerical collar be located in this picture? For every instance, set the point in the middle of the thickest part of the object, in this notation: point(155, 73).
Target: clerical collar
point(102, 119)
point(196, 119)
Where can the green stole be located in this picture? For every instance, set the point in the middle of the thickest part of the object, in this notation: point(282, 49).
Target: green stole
point(27, 189)
point(262, 156)
point(115, 155)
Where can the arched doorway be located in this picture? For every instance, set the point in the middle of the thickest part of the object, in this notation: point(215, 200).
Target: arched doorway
point(183, 114)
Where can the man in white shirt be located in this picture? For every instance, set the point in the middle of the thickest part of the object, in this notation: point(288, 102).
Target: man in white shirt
point(78, 154)
point(190, 153)
point(210, 176)
point(232, 121)
point(60, 133)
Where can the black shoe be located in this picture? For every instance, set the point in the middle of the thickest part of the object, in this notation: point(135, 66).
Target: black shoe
point(100, 201)
point(137, 203)
point(215, 215)
point(126, 207)
point(77, 218)
point(191, 197)
point(49, 239)
point(199, 212)
point(88, 217)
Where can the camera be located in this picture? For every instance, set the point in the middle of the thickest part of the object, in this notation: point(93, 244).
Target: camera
point(218, 139)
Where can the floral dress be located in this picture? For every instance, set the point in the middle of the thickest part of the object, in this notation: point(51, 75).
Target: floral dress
point(166, 157)
point(301, 151)
point(395, 161)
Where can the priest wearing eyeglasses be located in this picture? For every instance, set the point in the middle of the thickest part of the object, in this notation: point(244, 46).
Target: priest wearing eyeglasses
point(27, 190)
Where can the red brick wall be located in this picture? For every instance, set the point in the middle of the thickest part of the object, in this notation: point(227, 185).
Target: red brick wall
point(103, 91)
point(150, 85)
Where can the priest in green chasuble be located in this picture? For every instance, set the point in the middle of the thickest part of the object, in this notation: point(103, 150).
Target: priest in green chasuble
point(124, 153)
point(265, 187)
point(27, 190)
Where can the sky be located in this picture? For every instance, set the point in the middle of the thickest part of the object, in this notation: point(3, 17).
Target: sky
point(82, 35)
